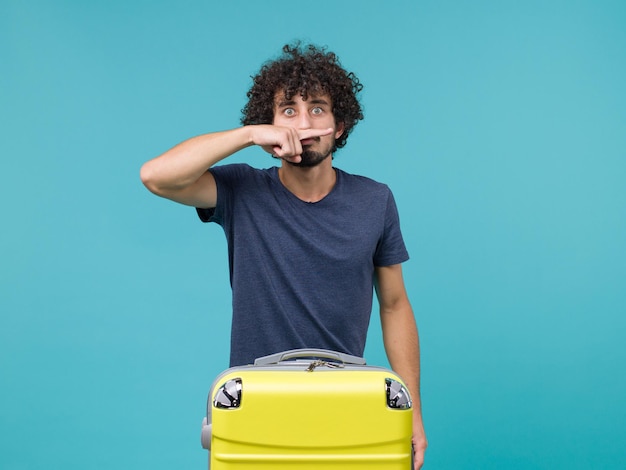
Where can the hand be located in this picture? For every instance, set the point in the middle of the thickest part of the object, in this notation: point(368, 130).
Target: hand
point(284, 142)
point(419, 447)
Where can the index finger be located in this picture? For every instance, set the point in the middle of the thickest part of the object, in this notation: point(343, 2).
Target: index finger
point(308, 133)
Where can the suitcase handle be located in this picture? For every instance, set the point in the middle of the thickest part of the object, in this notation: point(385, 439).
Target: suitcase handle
point(307, 353)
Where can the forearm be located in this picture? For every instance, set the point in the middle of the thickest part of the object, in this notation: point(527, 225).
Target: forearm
point(184, 164)
point(401, 342)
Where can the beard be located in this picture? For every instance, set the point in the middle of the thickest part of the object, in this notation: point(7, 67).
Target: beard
point(311, 158)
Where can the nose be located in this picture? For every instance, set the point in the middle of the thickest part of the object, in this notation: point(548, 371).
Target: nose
point(304, 121)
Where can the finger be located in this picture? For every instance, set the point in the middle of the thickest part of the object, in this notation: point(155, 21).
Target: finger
point(291, 152)
point(269, 149)
point(280, 141)
point(418, 457)
point(292, 158)
point(292, 148)
point(308, 133)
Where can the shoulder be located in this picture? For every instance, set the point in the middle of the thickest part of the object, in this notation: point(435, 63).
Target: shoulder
point(362, 185)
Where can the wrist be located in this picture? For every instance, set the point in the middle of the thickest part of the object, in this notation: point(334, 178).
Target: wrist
point(249, 135)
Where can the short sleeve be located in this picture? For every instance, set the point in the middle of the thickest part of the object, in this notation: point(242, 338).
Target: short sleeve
point(391, 248)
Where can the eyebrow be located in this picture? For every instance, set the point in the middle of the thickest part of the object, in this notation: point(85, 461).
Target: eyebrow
point(282, 103)
point(319, 101)
point(285, 102)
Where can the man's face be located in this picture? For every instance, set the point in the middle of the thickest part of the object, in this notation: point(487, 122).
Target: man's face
point(314, 113)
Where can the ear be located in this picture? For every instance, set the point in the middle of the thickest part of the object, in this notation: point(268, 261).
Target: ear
point(339, 131)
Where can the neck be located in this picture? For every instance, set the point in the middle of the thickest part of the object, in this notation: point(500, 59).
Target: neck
point(309, 184)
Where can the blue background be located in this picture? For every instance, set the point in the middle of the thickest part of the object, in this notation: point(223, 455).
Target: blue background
point(499, 125)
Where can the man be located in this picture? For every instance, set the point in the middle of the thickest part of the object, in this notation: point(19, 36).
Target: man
point(307, 243)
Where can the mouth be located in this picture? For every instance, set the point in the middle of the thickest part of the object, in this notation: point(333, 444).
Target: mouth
point(310, 141)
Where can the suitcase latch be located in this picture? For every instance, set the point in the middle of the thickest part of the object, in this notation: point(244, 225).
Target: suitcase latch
point(398, 397)
point(228, 396)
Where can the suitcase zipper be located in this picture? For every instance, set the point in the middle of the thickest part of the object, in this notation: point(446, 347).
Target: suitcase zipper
point(319, 363)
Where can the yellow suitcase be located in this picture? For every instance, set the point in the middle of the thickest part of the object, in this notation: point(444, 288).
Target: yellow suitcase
point(308, 409)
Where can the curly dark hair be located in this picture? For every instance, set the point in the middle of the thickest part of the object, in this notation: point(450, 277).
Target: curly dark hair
point(306, 70)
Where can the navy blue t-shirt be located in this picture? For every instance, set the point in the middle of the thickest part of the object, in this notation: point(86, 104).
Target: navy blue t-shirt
point(302, 273)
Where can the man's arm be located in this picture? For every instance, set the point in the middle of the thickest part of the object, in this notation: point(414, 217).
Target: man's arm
point(181, 173)
point(401, 342)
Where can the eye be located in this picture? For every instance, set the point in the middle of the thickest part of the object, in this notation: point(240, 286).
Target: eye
point(317, 110)
point(289, 112)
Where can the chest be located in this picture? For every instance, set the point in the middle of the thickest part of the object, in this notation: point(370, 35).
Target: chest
point(338, 231)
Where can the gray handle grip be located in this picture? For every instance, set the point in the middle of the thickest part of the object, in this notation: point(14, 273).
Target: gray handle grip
point(303, 353)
